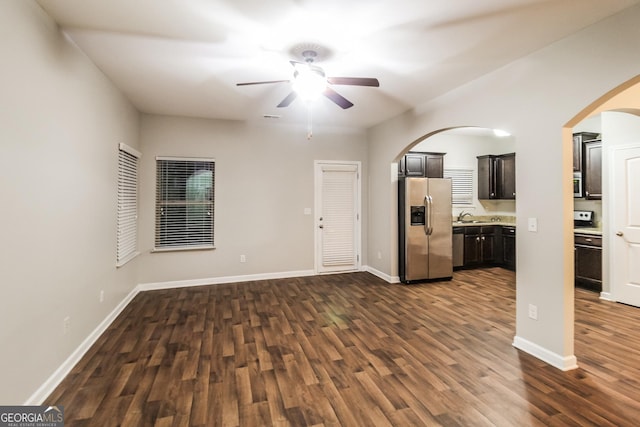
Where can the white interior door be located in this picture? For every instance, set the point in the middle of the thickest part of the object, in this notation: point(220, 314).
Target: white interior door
point(625, 244)
point(337, 222)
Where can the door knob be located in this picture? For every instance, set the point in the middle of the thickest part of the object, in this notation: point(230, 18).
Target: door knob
point(321, 226)
point(619, 233)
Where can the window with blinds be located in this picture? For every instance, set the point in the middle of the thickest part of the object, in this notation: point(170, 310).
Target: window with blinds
point(127, 219)
point(461, 185)
point(184, 203)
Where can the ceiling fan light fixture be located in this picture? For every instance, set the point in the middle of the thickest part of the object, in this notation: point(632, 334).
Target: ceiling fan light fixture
point(309, 82)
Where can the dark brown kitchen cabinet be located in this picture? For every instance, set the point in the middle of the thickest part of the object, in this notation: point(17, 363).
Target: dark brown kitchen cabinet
point(506, 175)
point(479, 245)
point(487, 177)
point(497, 176)
point(419, 164)
point(588, 261)
point(592, 173)
point(578, 141)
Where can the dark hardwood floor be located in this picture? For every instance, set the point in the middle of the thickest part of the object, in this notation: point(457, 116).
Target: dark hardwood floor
point(350, 350)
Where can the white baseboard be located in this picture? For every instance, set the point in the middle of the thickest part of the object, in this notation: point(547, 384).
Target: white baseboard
point(380, 274)
point(225, 279)
point(606, 296)
point(566, 363)
point(56, 378)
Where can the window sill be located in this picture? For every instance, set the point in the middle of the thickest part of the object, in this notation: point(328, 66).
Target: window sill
point(183, 248)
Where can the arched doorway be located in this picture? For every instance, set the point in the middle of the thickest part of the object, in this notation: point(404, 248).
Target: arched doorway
point(610, 108)
point(617, 114)
point(460, 148)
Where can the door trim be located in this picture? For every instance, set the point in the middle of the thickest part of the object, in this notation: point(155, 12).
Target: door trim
point(317, 211)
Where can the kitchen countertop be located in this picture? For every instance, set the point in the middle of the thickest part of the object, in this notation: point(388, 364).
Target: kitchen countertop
point(480, 220)
point(511, 223)
point(481, 223)
point(588, 230)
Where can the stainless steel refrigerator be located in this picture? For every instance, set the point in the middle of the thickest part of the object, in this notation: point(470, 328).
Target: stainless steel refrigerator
point(426, 240)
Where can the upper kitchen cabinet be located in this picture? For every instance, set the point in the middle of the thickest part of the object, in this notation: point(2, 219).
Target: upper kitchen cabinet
point(592, 173)
point(497, 176)
point(428, 165)
point(578, 141)
point(506, 176)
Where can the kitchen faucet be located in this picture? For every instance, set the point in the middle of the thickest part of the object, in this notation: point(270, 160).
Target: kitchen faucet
point(462, 215)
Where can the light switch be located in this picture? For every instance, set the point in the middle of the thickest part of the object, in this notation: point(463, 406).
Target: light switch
point(532, 224)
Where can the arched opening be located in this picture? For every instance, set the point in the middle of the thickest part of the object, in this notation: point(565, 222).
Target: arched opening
point(461, 147)
point(456, 153)
point(615, 117)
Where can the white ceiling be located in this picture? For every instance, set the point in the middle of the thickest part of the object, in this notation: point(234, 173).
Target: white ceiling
point(184, 57)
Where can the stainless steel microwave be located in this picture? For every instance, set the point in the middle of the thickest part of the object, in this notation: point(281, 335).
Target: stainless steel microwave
point(577, 185)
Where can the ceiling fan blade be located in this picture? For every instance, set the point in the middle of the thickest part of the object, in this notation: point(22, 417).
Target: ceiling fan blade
point(354, 81)
point(262, 83)
point(337, 98)
point(288, 99)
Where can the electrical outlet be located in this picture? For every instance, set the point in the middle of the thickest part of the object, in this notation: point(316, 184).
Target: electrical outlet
point(532, 224)
point(533, 312)
point(66, 325)
point(101, 296)
point(243, 258)
point(379, 255)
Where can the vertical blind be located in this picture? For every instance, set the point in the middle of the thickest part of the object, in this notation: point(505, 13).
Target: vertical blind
point(461, 185)
point(339, 216)
point(184, 203)
point(127, 219)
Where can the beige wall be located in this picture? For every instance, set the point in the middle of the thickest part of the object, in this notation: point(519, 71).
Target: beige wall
point(531, 98)
point(61, 122)
point(264, 181)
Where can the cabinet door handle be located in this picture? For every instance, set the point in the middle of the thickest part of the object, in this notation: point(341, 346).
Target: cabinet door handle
point(588, 240)
point(619, 234)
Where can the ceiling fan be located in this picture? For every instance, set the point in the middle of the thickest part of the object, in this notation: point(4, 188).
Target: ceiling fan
point(310, 81)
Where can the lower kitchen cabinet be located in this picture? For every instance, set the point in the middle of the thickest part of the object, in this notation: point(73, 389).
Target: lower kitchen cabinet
point(479, 245)
point(490, 245)
point(588, 261)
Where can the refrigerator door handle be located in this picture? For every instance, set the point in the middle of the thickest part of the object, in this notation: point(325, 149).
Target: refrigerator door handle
point(429, 203)
point(426, 213)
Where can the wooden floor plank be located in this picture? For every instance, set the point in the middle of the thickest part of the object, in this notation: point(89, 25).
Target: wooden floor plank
point(350, 350)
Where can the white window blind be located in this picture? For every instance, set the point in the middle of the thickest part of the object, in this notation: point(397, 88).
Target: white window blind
point(461, 185)
point(184, 203)
point(127, 221)
point(339, 216)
